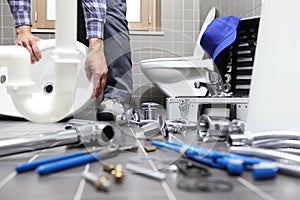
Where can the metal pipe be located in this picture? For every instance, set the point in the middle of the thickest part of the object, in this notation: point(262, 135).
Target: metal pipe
point(248, 137)
point(101, 133)
point(287, 163)
point(267, 154)
point(279, 144)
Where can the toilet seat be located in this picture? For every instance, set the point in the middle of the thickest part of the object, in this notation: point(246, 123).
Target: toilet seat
point(180, 76)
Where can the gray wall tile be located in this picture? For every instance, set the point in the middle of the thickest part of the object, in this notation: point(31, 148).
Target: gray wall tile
point(181, 22)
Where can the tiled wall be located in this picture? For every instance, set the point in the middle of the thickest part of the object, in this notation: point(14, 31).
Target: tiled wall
point(181, 22)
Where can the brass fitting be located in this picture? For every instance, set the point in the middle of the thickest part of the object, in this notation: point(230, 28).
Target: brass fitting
point(115, 171)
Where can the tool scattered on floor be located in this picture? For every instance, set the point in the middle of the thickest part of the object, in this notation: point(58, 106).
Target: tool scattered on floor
point(206, 185)
point(233, 163)
point(287, 163)
point(26, 166)
point(57, 163)
point(100, 182)
point(148, 172)
point(190, 168)
point(101, 133)
point(195, 177)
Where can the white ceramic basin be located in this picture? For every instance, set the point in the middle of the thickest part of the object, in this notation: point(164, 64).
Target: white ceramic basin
point(42, 74)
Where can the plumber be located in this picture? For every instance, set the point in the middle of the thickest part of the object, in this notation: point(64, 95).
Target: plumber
point(102, 26)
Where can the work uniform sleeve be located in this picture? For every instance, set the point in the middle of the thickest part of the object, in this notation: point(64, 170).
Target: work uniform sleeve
point(95, 15)
point(21, 12)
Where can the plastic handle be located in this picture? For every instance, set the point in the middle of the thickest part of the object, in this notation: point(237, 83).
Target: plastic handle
point(164, 145)
point(22, 167)
point(67, 163)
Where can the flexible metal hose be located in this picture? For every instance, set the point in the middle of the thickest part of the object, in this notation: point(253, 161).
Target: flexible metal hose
point(278, 144)
point(287, 163)
point(249, 138)
point(276, 134)
point(266, 153)
point(290, 150)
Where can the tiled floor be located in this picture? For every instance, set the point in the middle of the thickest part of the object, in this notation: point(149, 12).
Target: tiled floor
point(68, 184)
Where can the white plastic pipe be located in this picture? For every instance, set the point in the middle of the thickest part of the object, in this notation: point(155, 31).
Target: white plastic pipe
point(38, 108)
point(66, 28)
point(18, 58)
point(274, 96)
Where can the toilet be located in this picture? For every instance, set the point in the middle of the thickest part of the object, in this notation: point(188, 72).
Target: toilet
point(183, 76)
point(42, 74)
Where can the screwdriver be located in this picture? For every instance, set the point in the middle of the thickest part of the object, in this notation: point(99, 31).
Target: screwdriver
point(81, 160)
point(71, 159)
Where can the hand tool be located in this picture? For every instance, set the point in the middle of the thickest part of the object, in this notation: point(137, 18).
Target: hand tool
point(101, 133)
point(194, 177)
point(209, 185)
point(151, 173)
point(233, 163)
point(191, 169)
point(286, 162)
point(57, 163)
point(26, 166)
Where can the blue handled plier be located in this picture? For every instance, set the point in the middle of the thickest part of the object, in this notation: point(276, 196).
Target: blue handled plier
point(233, 163)
point(57, 163)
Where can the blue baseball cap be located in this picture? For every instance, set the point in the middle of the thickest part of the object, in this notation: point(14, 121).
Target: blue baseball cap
point(219, 34)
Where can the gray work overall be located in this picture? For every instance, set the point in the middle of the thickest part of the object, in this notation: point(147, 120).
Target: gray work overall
point(116, 47)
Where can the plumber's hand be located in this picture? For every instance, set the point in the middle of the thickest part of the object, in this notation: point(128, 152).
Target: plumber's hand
point(95, 65)
point(26, 39)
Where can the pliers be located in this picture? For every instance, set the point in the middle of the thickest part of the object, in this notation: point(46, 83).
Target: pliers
point(233, 163)
point(52, 164)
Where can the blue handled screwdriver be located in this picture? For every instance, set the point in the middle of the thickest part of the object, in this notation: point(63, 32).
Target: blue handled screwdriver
point(26, 166)
point(71, 159)
point(109, 152)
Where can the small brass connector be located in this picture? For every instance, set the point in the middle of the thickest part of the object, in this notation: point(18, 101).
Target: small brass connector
point(108, 168)
point(117, 173)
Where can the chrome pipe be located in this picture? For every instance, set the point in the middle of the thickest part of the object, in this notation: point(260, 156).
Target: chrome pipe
point(100, 133)
point(286, 163)
point(267, 154)
point(248, 138)
point(279, 144)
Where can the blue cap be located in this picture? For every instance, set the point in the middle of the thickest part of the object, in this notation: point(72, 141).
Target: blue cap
point(219, 34)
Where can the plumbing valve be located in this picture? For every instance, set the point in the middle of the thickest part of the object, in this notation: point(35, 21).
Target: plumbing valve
point(150, 109)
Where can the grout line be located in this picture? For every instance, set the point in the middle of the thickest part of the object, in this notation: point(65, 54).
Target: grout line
point(164, 184)
point(255, 189)
point(14, 173)
point(7, 179)
point(81, 185)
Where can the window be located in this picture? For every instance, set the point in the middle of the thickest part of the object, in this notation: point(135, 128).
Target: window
point(141, 14)
point(43, 14)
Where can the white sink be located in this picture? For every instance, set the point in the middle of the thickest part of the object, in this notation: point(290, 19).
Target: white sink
point(43, 75)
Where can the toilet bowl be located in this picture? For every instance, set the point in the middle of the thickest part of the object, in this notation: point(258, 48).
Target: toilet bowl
point(43, 74)
point(182, 76)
